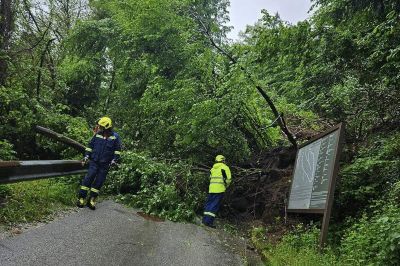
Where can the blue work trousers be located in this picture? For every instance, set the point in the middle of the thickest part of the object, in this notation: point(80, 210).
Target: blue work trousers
point(94, 179)
point(211, 207)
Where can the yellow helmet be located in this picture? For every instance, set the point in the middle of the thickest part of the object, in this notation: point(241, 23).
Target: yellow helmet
point(105, 122)
point(219, 158)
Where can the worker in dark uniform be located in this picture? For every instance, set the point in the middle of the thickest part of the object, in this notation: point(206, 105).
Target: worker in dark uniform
point(220, 179)
point(104, 151)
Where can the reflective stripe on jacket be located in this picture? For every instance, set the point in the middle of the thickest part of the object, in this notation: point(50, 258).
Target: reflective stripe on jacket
point(103, 150)
point(217, 182)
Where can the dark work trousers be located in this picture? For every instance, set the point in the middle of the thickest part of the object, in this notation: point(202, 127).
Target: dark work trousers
point(211, 207)
point(94, 179)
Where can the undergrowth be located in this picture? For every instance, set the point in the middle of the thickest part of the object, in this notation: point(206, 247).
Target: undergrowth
point(374, 239)
point(297, 248)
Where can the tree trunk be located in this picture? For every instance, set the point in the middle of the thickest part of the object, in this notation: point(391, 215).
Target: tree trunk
point(110, 89)
point(6, 23)
point(42, 58)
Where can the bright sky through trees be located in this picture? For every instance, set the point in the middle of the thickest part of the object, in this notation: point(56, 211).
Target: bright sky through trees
point(244, 13)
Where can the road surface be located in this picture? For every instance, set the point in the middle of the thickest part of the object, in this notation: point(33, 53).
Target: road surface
point(116, 235)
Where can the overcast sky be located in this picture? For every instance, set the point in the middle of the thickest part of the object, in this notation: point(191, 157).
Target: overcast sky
point(247, 12)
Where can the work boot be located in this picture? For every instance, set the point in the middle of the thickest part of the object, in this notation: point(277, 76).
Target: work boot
point(80, 203)
point(91, 204)
point(208, 225)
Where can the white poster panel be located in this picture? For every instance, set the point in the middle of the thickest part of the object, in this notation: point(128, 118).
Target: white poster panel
point(313, 169)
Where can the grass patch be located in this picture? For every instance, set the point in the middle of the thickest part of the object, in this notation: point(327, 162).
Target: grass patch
point(295, 248)
point(34, 200)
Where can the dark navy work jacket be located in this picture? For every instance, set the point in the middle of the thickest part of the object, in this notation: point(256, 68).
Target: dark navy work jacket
point(102, 149)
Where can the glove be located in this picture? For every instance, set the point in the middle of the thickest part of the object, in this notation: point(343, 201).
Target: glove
point(85, 160)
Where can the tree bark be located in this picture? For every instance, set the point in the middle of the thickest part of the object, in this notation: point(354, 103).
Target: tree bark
point(6, 25)
point(61, 138)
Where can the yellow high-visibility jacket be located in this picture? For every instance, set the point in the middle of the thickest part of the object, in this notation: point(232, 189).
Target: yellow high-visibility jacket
point(217, 182)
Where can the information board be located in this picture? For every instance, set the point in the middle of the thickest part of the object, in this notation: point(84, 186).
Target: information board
point(314, 177)
point(313, 170)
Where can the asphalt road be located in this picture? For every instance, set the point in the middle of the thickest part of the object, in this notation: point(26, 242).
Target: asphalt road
point(115, 235)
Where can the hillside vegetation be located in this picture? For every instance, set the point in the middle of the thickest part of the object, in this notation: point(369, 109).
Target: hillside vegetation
point(179, 92)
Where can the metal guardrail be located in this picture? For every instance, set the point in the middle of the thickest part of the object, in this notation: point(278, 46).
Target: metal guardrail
point(16, 171)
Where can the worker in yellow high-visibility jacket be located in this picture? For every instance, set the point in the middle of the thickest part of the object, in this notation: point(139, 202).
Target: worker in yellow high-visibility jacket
point(220, 179)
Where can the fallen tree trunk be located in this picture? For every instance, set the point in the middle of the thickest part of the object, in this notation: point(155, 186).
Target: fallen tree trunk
point(61, 138)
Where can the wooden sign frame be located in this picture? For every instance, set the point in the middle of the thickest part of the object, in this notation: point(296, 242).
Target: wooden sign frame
point(326, 212)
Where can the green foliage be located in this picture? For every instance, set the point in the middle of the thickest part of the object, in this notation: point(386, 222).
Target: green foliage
point(17, 113)
point(342, 64)
point(150, 65)
point(21, 114)
point(5, 191)
point(299, 247)
point(169, 190)
point(6, 151)
point(365, 35)
point(163, 82)
point(83, 78)
point(33, 201)
point(372, 173)
point(375, 238)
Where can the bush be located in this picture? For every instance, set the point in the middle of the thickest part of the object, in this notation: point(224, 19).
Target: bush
point(6, 151)
point(375, 239)
point(169, 190)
